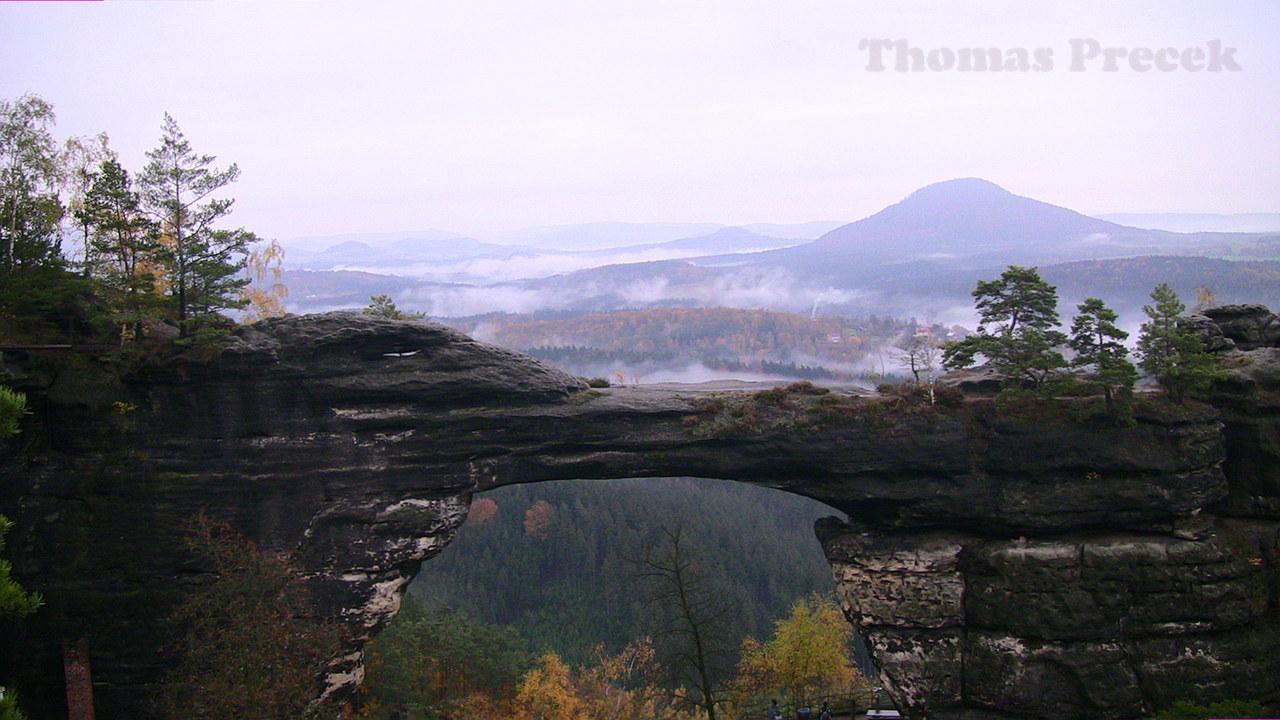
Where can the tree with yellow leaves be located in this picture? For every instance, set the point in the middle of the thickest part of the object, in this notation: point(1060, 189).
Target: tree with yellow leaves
point(808, 659)
point(616, 687)
point(547, 693)
point(264, 295)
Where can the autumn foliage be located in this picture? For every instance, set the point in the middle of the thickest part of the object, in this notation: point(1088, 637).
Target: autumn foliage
point(244, 653)
point(538, 518)
point(809, 659)
point(483, 511)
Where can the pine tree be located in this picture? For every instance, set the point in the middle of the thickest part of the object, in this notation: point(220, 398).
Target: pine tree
point(1018, 314)
point(203, 263)
point(1170, 350)
point(14, 601)
point(1099, 344)
point(383, 306)
point(124, 246)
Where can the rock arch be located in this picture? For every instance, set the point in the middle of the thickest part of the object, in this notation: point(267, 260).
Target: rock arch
point(1010, 565)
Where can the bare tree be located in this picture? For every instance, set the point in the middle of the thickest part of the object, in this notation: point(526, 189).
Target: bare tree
point(921, 354)
point(691, 619)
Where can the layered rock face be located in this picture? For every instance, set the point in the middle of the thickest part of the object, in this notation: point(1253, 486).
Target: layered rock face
point(1000, 565)
point(1102, 617)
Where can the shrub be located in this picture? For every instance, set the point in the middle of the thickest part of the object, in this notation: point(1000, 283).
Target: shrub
point(245, 654)
point(918, 393)
point(9, 706)
point(584, 397)
point(1187, 710)
point(13, 405)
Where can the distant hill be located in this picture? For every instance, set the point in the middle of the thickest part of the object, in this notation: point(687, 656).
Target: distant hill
point(918, 257)
point(456, 259)
point(809, 230)
point(401, 255)
point(599, 235)
point(320, 243)
point(724, 240)
point(313, 291)
point(1200, 222)
point(969, 223)
point(1126, 283)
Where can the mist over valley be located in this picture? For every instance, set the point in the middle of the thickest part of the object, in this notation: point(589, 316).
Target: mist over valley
point(913, 264)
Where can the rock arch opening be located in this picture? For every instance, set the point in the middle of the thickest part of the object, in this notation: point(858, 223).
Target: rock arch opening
point(553, 559)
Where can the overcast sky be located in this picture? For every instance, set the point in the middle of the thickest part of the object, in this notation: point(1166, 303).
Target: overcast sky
point(499, 114)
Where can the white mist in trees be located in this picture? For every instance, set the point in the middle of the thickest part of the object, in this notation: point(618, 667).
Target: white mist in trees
point(1170, 350)
point(203, 263)
point(1099, 344)
point(1016, 331)
point(921, 355)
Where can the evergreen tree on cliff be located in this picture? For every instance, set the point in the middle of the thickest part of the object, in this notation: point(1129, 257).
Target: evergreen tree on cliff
point(1018, 314)
point(1099, 344)
point(14, 601)
point(1170, 350)
point(123, 247)
point(202, 263)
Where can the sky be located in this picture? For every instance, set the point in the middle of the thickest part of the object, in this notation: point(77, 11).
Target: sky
point(489, 115)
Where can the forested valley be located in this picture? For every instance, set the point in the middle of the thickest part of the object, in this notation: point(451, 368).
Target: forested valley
point(555, 569)
point(683, 344)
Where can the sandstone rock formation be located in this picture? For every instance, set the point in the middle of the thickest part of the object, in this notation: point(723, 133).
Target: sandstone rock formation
point(1000, 564)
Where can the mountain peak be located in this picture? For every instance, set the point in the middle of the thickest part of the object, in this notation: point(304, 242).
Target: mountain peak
point(966, 190)
point(969, 216)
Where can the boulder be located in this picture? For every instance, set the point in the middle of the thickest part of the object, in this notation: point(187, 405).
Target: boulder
point(1249, 326)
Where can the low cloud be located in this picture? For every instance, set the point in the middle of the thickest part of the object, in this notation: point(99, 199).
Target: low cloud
point(749, 288)
point(525, 266)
